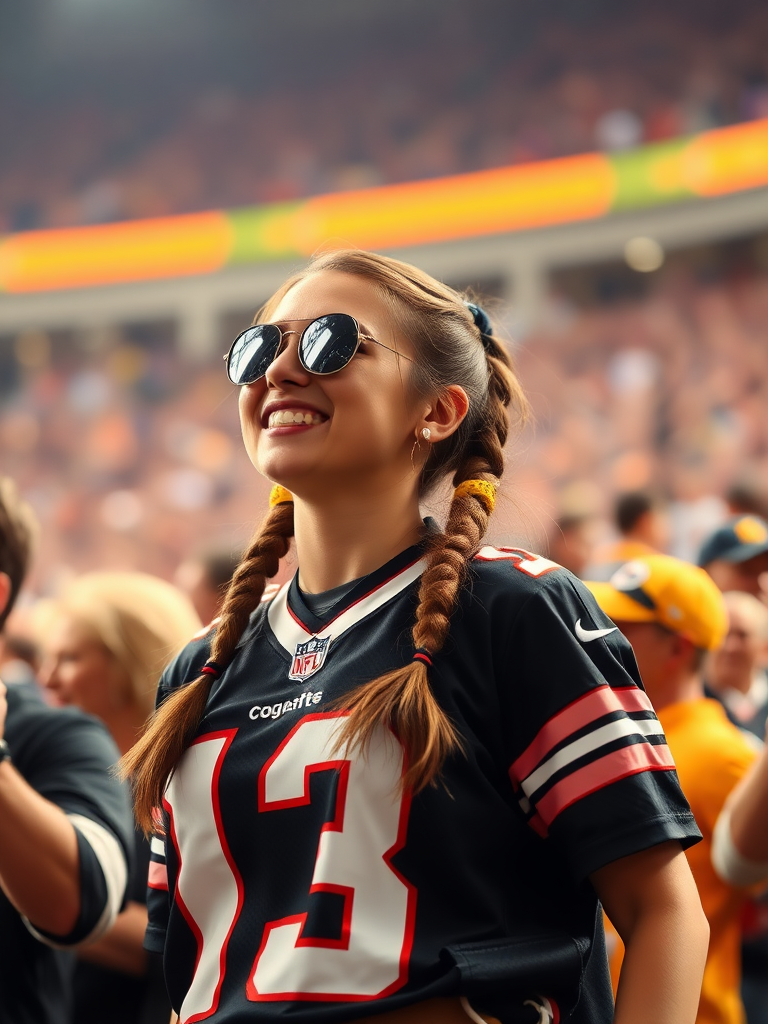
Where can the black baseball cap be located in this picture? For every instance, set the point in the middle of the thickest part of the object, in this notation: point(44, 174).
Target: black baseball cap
point(738, 540)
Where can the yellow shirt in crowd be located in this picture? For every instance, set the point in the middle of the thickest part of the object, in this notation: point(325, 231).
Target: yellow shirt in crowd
point(711, 755)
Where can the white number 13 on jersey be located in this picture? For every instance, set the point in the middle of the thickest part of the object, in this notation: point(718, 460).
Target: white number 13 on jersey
point(370, 957)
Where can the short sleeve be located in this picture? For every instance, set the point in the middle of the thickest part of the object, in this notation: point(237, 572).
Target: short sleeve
point(158, 905)
point(182, 670)
point(590, 763)
point(68, 758)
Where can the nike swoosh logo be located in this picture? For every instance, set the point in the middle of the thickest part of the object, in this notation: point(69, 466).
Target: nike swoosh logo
point(585, 635)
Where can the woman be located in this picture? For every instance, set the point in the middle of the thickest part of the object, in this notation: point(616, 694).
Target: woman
point(398, 787)
point(105, 642)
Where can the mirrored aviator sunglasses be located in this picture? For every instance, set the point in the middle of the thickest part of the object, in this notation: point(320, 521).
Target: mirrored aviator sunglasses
point(326, 345)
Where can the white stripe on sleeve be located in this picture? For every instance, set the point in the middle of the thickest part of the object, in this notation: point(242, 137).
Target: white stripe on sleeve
point(618, 729)
point(112, 861)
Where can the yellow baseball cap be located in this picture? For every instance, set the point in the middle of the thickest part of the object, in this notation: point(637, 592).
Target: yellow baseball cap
point(658, 588)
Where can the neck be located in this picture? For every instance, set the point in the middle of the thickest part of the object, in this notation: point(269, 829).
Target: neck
point(126, 726)
point(351, 536)
point(677, 690)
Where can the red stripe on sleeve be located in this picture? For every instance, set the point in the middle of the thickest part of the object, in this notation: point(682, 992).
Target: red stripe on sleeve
point(586, 709)
point(158, 875)
point(638, 757)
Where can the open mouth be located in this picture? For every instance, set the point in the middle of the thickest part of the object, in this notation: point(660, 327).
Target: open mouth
point(285, 418)
point(294, 417)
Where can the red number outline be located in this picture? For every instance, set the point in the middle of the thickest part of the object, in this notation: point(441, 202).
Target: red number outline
point(228, 735)
point(335, 825)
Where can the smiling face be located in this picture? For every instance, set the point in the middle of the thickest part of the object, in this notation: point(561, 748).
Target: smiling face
point(358, 426)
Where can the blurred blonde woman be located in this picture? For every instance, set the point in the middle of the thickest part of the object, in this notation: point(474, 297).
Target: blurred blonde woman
point(105, 642)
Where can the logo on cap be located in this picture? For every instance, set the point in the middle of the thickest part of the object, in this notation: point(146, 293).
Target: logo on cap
point(750, 530)
point(630, 576)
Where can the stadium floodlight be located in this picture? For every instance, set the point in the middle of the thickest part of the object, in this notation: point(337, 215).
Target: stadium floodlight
point(643, 254)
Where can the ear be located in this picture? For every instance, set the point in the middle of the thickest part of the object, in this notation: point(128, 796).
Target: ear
point(681, 649)
point(5, 591)
point(445, 414)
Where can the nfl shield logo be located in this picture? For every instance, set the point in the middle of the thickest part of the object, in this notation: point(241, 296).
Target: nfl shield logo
point(308, 657)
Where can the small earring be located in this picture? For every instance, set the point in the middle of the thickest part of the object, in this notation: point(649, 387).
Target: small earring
point(426, 433)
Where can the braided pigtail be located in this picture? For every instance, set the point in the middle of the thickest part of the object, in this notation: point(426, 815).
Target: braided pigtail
point(153, 758)
point(403, 699)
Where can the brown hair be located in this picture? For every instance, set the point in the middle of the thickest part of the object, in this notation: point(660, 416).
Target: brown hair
point(18, 533)
point(449, 349)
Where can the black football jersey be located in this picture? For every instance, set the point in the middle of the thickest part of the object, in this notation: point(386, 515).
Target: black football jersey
point(298, 882)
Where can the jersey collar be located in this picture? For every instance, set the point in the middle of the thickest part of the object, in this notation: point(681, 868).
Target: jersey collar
point(293, 622)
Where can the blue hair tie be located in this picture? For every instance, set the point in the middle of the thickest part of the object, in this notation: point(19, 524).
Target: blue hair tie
point(482, 323)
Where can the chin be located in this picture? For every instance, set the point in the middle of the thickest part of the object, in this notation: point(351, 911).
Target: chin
point(289, 471)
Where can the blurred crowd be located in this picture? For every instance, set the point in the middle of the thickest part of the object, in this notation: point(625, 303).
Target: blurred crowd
point(461, 104)
point(131, 457)
point(669, 391)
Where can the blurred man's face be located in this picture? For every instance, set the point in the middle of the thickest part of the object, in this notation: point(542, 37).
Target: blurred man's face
point(743, 652)
point(659, 529)
point(573, 547)
point(652, 646)
point(739, 575)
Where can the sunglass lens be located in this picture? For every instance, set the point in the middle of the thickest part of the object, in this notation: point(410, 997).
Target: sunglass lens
point(252, 352)
point(329, 343)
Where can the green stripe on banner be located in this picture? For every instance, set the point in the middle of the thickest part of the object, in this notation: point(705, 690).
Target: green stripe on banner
point(264, 232)
point(651, 175)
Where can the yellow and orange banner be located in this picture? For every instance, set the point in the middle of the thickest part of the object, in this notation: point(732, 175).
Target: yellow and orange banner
point(498, 201)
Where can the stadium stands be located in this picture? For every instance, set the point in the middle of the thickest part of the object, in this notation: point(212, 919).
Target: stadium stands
point(524, 87)
point(131, 455)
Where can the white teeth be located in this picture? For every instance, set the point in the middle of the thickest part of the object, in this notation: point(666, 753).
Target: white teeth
point(284, 417)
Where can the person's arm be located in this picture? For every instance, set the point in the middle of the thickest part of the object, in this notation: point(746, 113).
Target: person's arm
point(652, 900)
point(39, 863)
point(121, 949)
point(66, 823)
point(748, 809)
point(740, 837)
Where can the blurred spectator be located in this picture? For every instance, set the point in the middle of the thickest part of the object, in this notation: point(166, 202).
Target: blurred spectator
point(747, 497)
point(205, 578)
point(462, 103)
point(572, 540)
point(105, 642)
point(66, 824)
point(640, 518)
point(736, 676)
point(672, 614)
point(736, 673)
point(18, 661)
point(736, 555)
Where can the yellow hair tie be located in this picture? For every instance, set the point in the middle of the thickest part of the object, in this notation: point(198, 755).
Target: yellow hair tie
point(484, 491)
point(279, 495)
